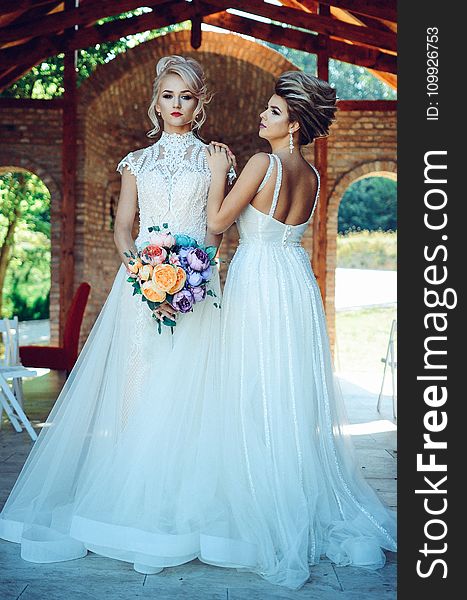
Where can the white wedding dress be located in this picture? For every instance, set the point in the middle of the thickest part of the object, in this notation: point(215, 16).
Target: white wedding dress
point(121, 466)
point(291, 487)
point(224, 441)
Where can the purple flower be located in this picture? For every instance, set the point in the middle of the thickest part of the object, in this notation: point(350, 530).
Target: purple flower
point(194, 278)
point(182, 255)
point(198, 259)
point(207, 273)
point(183, 301)
point(199, 293)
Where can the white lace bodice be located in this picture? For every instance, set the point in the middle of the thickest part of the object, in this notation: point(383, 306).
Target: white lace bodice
point(172, 178)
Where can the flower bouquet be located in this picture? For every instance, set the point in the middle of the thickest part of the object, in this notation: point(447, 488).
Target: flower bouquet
point(171, 268)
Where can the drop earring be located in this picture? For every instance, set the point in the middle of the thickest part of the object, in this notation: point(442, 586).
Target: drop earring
point(291, 146)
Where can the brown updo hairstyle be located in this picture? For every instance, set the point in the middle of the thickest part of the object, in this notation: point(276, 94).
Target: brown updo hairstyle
point(310, 101)
point(192, 74)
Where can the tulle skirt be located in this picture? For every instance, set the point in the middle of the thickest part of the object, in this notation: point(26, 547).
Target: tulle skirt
point(122, 464)
point(225, 441)
point(291, 490)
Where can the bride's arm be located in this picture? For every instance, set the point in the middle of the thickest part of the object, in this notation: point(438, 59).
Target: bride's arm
point(126, 212)
point(213, 240)
point(222, 212)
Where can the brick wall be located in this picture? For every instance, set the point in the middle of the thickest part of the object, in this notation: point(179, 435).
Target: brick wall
point(112, 120)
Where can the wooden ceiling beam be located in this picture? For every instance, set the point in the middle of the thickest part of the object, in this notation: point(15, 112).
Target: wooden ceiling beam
point(8, 6)
point(32, 52)
point(307, 42)
point(380, 9)
point(84, 15)
point(325, 25)
point(388, 78)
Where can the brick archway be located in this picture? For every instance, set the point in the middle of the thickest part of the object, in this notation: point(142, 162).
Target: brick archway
point(20, 160)
point(377, 168)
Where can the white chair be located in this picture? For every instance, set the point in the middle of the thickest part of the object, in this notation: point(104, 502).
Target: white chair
point(11, 398)
point(391, 361)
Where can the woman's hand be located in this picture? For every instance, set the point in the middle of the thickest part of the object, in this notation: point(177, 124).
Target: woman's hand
point(228, 150)
point(219, 158)
point(165, 310)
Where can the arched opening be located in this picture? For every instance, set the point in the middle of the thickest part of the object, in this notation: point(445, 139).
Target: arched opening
point(365, 259)
point(25, 252)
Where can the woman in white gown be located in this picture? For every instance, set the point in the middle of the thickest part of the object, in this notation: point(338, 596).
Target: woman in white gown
point(292, 490)
point(121, 466)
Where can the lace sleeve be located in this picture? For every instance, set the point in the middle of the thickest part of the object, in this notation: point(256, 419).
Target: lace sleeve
point(132, 160)
point(127, 161)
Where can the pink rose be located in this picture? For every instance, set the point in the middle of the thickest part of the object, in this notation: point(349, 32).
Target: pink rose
point(166, 240)
point(173, 259)
point(154, 255)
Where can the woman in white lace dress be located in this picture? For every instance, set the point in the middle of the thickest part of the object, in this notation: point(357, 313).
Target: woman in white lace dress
point(122, 465)
point(292, 489)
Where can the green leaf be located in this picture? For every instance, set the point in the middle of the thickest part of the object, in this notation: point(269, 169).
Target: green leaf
point(216, 305)
point(131, 279)
point(212, 262)
point(165, 225)
point(169, 322)
point(210, 293)
point(211, 251)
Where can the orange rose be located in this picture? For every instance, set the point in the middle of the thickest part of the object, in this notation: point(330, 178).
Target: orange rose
point(134, 265)
point(164, 276)
point(152, 292)
point(145, 272)
point(181, 278)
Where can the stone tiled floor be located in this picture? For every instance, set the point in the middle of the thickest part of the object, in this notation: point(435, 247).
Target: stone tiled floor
point(96, 577)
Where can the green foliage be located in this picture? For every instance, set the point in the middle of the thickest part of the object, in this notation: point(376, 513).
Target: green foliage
point(25, 194)
point(351, 82)
point(25, 201)
point(371, 204)
point(25, 308)
point(367, 250)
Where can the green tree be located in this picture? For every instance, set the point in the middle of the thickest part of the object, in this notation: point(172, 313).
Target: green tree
point(24, 227)
point(370, 204)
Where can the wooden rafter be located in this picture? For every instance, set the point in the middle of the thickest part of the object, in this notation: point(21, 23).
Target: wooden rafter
point(318, 23)
point(388, 78)
point(307, 42)
point(381, 9)
point(31, 53)
point(9, 6)
point(19, 59)
point(83, 15)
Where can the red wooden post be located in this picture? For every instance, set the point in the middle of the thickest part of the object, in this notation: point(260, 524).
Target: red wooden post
point(69, 162)
point(319, 257)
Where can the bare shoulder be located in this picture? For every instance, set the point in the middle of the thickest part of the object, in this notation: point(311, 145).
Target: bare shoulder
point(260, 160)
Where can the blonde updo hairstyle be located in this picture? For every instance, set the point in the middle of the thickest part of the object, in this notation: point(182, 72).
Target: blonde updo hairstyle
point(310, 101)
point(192, 74)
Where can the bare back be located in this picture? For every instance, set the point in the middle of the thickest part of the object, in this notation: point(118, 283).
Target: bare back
point(297, 193)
